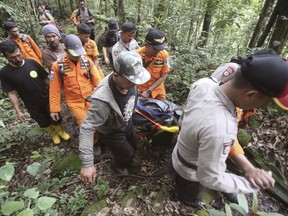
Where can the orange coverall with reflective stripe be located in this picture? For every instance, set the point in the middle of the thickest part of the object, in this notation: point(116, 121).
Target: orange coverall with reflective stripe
point(91, 50)
point(156, 68)
point(29, 49)
point(76, 86)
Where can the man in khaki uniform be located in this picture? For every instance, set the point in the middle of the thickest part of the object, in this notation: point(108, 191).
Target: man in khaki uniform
point(209, 129)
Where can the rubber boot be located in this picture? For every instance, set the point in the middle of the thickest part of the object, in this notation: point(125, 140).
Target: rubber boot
point(231, 197)
point(61, 132)
point(53, 134)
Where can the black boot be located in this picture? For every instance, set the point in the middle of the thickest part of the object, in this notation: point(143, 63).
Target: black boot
point(187, 192)
point(231, 197)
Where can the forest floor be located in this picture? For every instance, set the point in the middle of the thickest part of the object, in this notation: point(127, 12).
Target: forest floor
point(138, 194)
point(148, 192)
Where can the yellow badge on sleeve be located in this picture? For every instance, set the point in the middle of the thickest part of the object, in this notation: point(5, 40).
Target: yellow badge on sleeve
point(33, 74)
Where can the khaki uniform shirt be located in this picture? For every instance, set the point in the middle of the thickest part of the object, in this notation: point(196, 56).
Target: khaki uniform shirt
point(121, 47)
point(209, 129)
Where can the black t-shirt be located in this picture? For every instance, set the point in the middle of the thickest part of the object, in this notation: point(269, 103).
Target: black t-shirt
point(28, 81)
point(126, 102)
point(109, 39)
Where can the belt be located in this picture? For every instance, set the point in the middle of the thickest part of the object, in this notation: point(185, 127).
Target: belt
point(184, 162)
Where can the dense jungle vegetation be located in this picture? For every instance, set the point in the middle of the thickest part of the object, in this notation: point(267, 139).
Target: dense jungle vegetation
point(39, 178)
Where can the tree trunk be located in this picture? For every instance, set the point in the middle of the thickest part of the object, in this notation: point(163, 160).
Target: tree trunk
point(269, 25)
point(115, 5)
point(206, 24)
point(72, 6)
point(121, 11)
point(158, 13)
point(264, 12)
point(139, 11)
point(28, 4)
point(279, 35)
point(189, 36)
point(61, 15)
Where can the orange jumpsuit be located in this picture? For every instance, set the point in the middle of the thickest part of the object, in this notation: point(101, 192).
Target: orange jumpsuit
point(29, 48)
point(92, 52)
point(77, 86)
point(158, 66)
point(73, 15)
point(241, 116)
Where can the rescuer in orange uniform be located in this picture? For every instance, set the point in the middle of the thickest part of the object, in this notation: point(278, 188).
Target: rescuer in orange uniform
point(156, 61)
point(77, 75)
point(28, 47)
point(89, 45)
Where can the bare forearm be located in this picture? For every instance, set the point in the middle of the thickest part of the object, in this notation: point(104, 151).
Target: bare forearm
point(242, 162)
point(158, 81)
point(14, 100)
point(104, 51)
point(95, 60)
point(259, 178)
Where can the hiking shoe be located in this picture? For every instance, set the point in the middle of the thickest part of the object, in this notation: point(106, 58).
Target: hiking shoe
point(135, 163)
point(121, 171)
point(231, 197)
point(195, 204)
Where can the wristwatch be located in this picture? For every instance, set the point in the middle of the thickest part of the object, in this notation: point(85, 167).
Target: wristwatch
point(149, 91)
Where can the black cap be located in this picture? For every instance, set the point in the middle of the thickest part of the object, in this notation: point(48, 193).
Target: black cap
point(156, 38)
point(9, 25)
point(128, 27)
point(267, 73)
point(83, 28)
point(112, 25)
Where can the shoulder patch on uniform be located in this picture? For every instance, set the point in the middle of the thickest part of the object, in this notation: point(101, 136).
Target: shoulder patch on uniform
point(227, 147)
point(230, 70)
point(116, 52)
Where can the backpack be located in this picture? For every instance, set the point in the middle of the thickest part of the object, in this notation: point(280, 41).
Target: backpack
point(61, 68)
point(24, 38)
point(163, 112)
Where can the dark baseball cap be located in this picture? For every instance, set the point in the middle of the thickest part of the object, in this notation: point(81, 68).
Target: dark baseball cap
point(9, 25)
point(128, 27)
point(74, 45)
point(129, 64)
point(269, 74)
point(157, 39)
point(112, 25)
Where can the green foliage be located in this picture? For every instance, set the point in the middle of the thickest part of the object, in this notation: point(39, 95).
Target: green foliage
point(71, 205)
point(242, 208)
point(33, 169)
point(71, 31)
point(187, 67)
point(274, 110)
point(101, 188)
point(9, 204)
point(15, 133)
point(31, 201)
point(10, 207)
point(253, 123)
point(95, 207)
point(7, 172)
point(244, 137)
point(67, 166)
